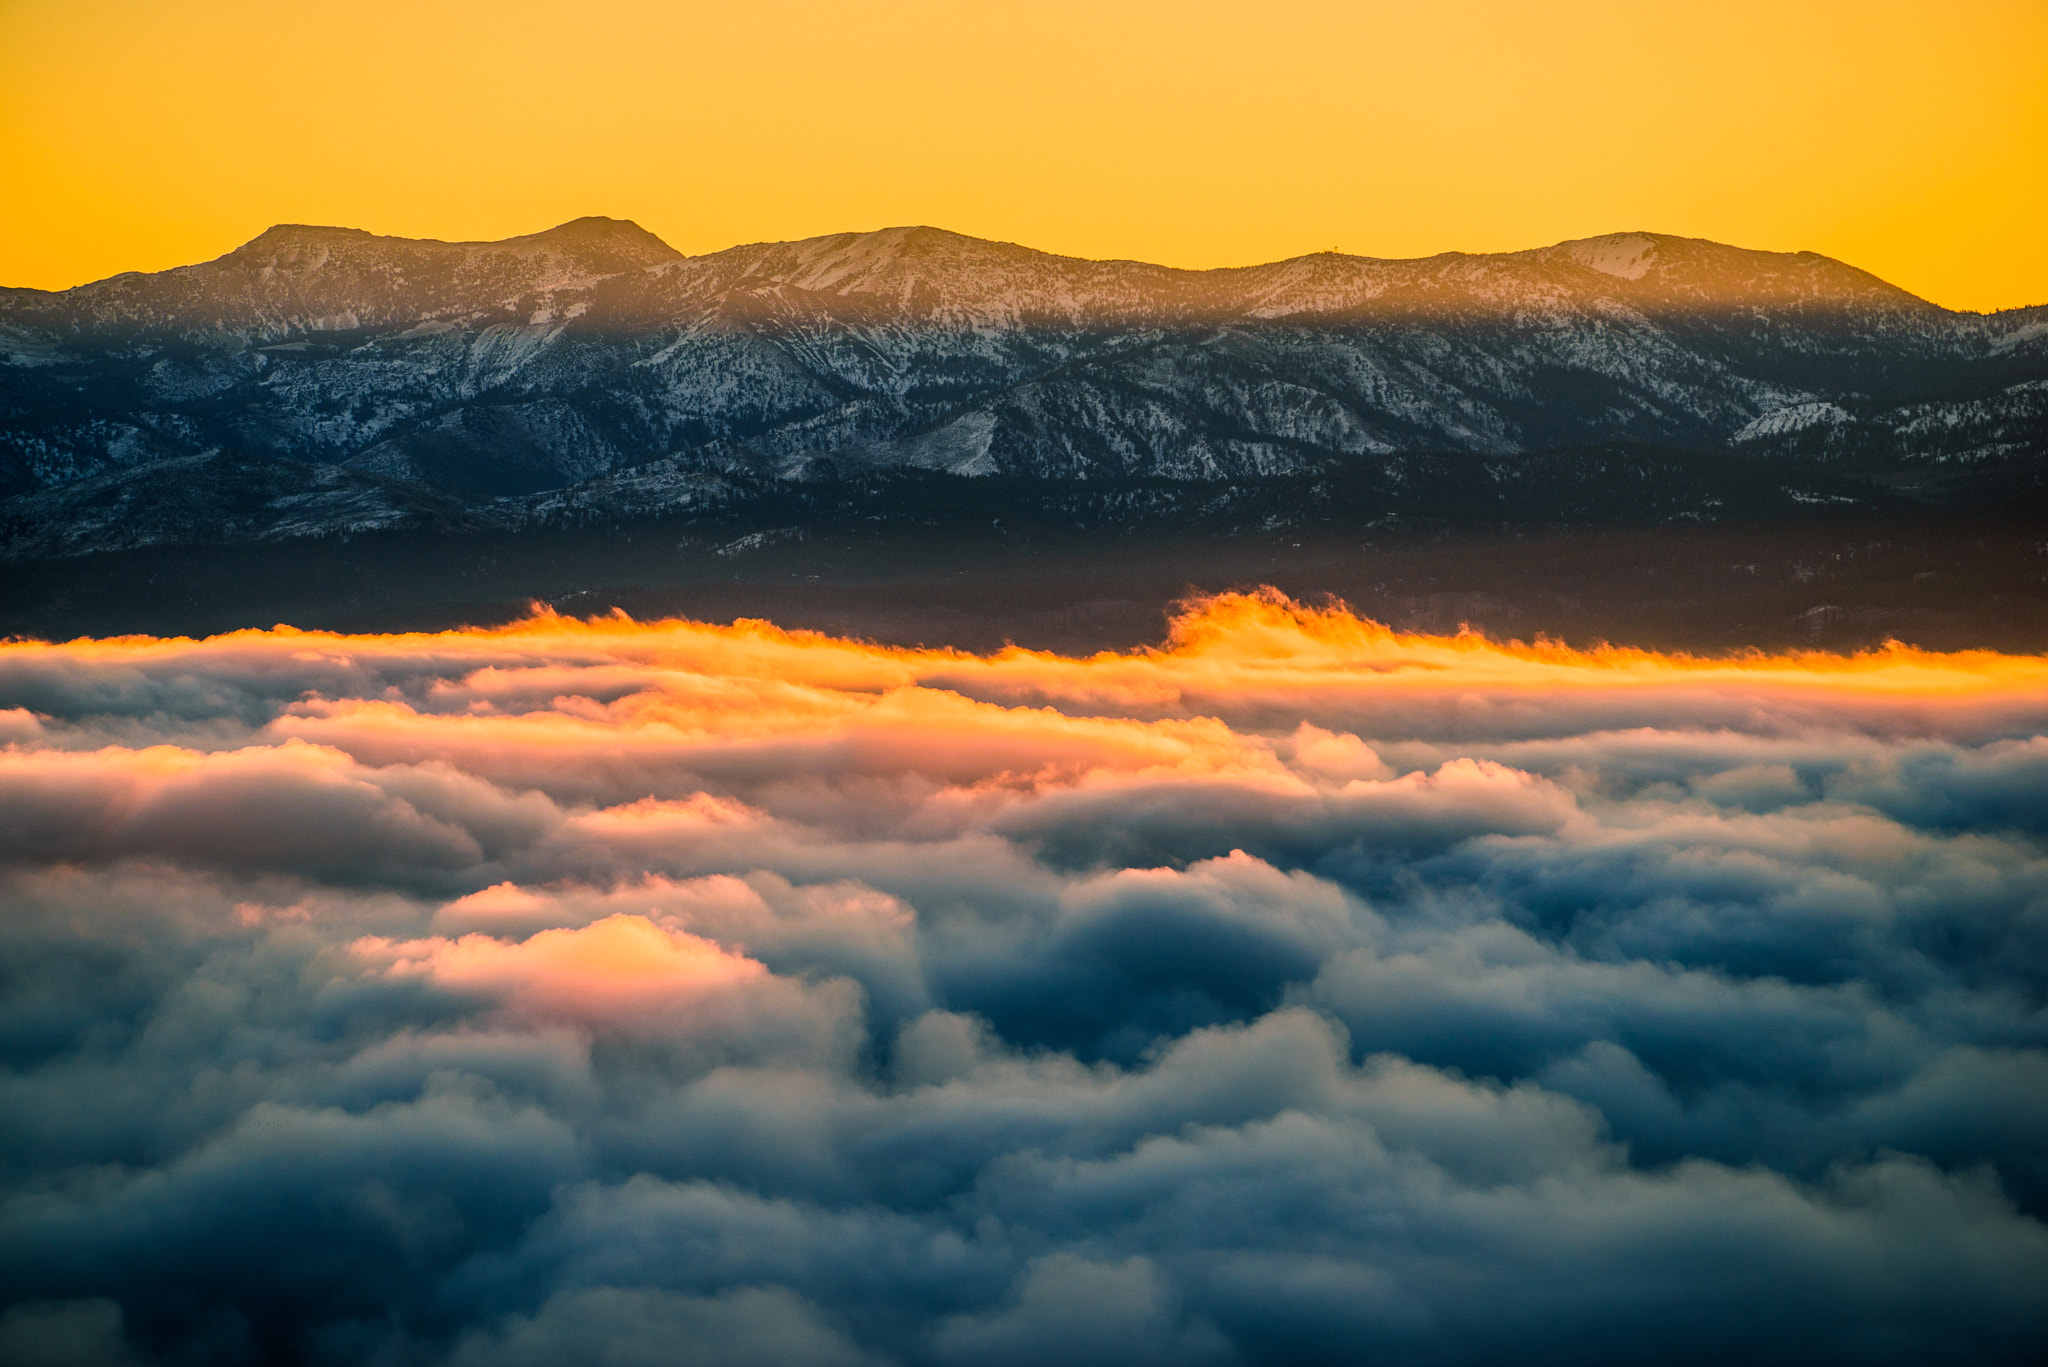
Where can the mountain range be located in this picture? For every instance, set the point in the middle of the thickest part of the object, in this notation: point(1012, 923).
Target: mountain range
point(325, 379)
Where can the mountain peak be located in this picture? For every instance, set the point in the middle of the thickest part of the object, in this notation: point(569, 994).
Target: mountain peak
point(618, 237)
point(596, 224)
point(1627, 256)
point(294, 234)
point(616, 242)
point(1701, 270)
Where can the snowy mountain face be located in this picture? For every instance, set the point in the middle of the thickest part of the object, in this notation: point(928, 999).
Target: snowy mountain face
point(589, 351)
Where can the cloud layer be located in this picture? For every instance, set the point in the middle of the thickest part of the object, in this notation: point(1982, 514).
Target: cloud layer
point(1299, 992)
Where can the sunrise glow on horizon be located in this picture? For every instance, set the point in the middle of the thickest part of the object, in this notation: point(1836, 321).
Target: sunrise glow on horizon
point(1909, 139)
point(1249, 687)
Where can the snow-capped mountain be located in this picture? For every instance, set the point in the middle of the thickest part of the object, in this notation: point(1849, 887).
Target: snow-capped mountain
point(581, 353)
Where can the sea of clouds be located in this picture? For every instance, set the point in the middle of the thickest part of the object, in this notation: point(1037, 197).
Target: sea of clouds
point(1300, 992)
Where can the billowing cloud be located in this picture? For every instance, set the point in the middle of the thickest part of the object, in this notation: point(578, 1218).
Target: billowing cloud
point(1297, 992)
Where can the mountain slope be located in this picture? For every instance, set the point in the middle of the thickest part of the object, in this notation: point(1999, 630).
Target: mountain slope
point(496, 369)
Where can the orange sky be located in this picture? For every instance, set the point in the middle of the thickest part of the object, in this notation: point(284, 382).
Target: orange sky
point(1908, 138)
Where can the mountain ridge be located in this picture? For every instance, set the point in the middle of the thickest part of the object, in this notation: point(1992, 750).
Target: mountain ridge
point(629, 240)
point(539, 362)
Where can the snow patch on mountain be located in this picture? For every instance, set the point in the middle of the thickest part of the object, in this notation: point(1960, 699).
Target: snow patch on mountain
point(960, 447)
point(1626, 256)
point(2020, 336)
point(1796, 417)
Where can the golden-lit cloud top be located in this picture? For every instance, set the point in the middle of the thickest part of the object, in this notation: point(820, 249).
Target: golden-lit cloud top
point(1905, 137)
point(573, 989)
